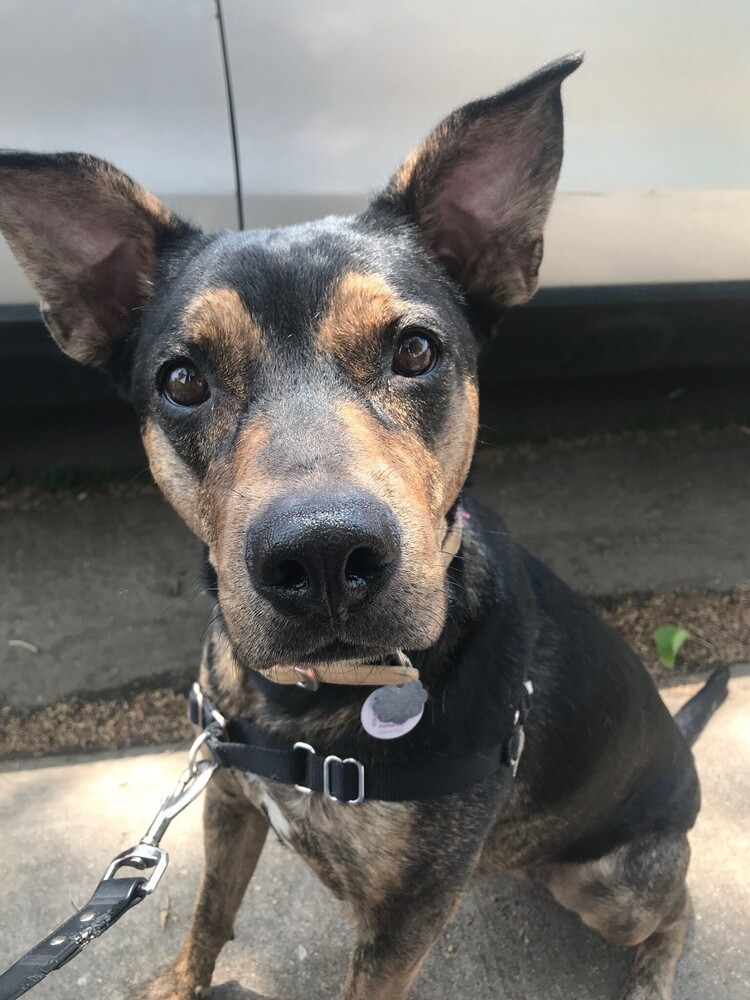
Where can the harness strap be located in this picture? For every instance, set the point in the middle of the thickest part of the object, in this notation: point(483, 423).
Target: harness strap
point(337, 773)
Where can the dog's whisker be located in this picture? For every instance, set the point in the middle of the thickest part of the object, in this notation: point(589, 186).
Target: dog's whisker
point(213, 616)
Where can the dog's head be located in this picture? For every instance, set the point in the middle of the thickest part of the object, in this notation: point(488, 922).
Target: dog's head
point(307, 395)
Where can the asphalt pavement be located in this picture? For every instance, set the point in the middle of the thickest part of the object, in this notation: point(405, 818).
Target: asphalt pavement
point(61, 820)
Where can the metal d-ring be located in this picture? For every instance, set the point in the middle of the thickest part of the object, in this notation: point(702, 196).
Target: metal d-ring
point(308, 678)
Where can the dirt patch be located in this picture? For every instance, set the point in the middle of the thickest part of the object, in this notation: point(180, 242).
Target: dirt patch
point(719, 626)
point(74, 726)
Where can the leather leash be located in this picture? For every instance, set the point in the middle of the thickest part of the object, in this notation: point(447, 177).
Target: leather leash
point(114, 896)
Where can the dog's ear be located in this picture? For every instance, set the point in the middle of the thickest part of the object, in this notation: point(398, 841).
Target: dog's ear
point(480, 187)
point(88, 238)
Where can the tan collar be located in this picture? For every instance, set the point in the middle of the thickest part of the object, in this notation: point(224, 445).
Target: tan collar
point(354, 672)
point(371, 674)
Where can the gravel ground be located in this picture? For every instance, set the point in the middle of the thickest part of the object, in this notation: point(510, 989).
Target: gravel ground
point(719, 626)
point(148, 718)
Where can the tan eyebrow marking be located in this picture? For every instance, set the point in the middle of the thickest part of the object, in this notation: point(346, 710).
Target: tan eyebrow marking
point(360, 306)
point(218, 321)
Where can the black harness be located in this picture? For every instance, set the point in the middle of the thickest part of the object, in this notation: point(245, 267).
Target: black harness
point(335, 771)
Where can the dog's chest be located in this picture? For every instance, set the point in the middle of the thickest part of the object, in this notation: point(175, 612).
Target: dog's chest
point(285, 821)
point(353, 848)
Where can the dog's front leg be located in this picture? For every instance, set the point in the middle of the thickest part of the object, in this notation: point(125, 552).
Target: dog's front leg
point(393, 941)
point(234, 833)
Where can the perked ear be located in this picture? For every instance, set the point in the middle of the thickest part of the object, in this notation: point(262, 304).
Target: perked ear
point(480, 187)
point(87, 237)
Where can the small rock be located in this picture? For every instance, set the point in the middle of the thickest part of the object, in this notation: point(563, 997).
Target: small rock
point(23, 644)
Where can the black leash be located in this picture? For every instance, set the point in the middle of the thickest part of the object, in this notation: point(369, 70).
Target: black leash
point(113, 897)
point(239, 743)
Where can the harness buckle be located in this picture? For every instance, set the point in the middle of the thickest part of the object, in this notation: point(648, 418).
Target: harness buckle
point(517, 743)
point(310, 750)
point(197, 703)
point(328, 763)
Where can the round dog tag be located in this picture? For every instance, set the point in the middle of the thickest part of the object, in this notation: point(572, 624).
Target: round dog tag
point(394, 710)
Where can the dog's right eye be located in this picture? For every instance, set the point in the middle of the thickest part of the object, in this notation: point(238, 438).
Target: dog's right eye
point(183, 384)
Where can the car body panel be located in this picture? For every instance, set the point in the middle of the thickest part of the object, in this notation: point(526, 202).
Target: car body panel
point(135, 82)
point(331, 96)
point(655, 185)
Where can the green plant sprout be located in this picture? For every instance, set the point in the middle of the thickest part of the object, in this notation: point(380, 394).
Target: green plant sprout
point(669, 640)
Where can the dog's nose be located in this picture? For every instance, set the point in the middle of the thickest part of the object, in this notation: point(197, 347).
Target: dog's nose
point(322, 554)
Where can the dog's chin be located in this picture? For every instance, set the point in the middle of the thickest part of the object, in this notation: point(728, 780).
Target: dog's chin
point(409, 618)
point(261, 640)
point(343, 652)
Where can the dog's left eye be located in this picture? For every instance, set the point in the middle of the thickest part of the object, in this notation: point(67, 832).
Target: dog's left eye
point(415, 354)
point(183, 384)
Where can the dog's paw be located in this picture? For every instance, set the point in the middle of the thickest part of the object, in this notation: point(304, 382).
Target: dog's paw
point(168, 984)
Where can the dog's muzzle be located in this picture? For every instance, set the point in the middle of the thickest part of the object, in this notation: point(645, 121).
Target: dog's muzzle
point(395, 668)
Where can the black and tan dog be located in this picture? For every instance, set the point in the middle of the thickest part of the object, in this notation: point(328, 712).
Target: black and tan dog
point(308, 399)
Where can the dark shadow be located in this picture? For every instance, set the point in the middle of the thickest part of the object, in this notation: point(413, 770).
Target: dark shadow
point(232, 991)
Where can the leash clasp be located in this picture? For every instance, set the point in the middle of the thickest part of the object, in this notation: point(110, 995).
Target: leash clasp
point(147, 855)
point(142, 857)
point(113, 896)
point(191, 783)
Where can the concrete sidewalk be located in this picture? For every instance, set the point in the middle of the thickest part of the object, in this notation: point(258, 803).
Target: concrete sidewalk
point(61, 821)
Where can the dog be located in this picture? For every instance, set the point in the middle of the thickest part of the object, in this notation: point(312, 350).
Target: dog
point(308, 403)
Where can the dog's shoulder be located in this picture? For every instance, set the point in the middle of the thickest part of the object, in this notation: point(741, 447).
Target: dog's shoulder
point(602, 750)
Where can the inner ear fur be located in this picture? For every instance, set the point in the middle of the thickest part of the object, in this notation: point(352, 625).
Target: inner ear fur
point(479, 188)
point(88, 238)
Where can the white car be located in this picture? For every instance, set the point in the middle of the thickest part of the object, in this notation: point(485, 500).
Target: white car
point(330, 95)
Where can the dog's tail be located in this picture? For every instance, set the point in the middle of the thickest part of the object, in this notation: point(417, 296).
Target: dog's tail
point(696, 712)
